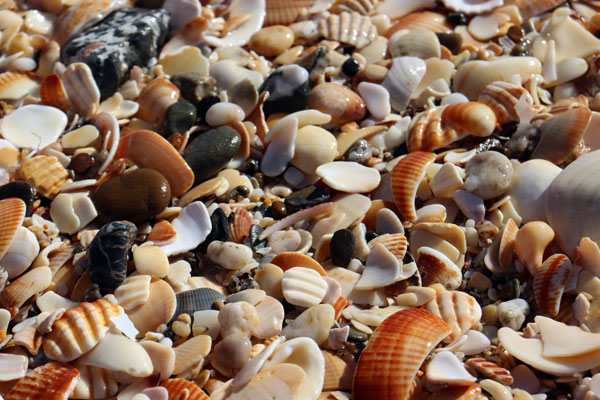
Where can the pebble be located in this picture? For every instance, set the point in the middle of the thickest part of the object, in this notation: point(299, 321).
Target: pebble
point(219, 228)
point(360, 152)
point(179, 117)
point(512, 313)
point(224, 114)
point(233, 351)
point(82, 162)
point(193, 86)
point(238, 318)
point(278, 209)
point(21, 190)
point(350, 67)
point(453, 41)
point(230, 255)
point(337, 100)
point(377, 99)
point(288, 90)
point(284, 241)
point(137, 196)
point(489, 174)
point(314, 146)
point(271, 41)
point(242, 282)
point(309, 196)
point(210, 151)
point(314, 323)
point(341, 248)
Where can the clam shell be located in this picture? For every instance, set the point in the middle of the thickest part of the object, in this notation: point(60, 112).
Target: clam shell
point(370, 218)
point(191, 352)
point(82, 90)
point(157, 310)
point(348, 28)
point(23, 249)
point(285, 12)
point(46, 174)
point(79, 329)
point(194, 300)
point(134, 291)
point(395, 243)
point(549, 283)
point(12, 366)
point(394, 354)
point(53, 93)
point(502, 97)
point(289, 260)
point(421, 44)
point(405, 180)
point(303, 286)
point(183, 389)
point(21, 289)
point(94, 383)
point(239, 228)
point(491, 370)
point(155, 98)
point(435, 267)
point(402, 79)
point(338, 373)
point(12, 213)
point(51, 381)
point(33, 126)
point(349, 176)
point(15, 85)
point(420, 21)
point(458, 309)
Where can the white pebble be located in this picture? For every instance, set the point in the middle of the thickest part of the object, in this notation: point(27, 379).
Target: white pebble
point(238, 318)
point(512, 313)
point(224, 114)
point(377, 99)
point(230, 255)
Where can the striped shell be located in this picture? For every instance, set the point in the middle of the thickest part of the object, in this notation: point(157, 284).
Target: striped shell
point(182, 389)
point(155, 98)
point(507, 244)
point(239, 228)
point(406, 177)
point(363, 7)
point(285, 12)
point(348, 28)
point(502, 97)
point(157, 310)
point(191, 352)
point(303, 287)
point(459, 309)
point(395, 243)
point(23, 288)
point(270, 318)
point(51, 381)
point(79, 329)
point(435, 267)
point(396, 350)
point(12, 213)
point(53, 93)
point(420, 21)
point(134, 291)
point(440, 126)
point(338, 373)
point(82, 90)
point(15, 85)
point(549, 283)
point(46, 174)
point(491, 370)
point(287, 260)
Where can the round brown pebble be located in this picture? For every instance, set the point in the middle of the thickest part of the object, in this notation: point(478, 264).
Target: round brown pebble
point(272, 40)
point(278, 209)
point(81, 163)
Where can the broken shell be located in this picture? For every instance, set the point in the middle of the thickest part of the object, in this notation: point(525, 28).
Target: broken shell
point(134, 291)
point(435, 267)
point(289, 260)
point(23, 249)
point(421, 44)
point(155, 98)
point(350, 177)
point(191, 352)
point(15, 85)
point(337, 100)
point(240, 36)
point(12, 366)
point(279, 381)
point(192, 226)
point(12, 213)
point(491, 370)
point(502, 97)
point(71, 212)
point(507, 244)
point(270, 318)
point(46, 174)
point(405, 180)
point(49, 381)
point(194, 300)
point(549, 283)
point(53, 93)
point(338, 373)
point(285, 12)
point(348, 28)
point(21, 289)
point(158, 308)
point(458, 309)
point(472, 7)
point(383, 269)
point(395, 243)
point(402, 79)
point(183, 389)
point(395, 353)
point(446, 369)
point(313, 323)
point(530, 242)
point(33, 126)
point(303, 286)
point(84, 95)
point(239, 228)
point(162, 233)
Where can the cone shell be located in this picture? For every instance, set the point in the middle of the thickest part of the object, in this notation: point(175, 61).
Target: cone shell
point(79, 329)
point(51, 381)
point(53, 93)
point(387, 366)
point(46, 174)
point(420, 21)
point(502, 97)
point(134, 291)
point(289, 260)
point(157, 310)
point(348, 28)
point(155, 98)
point(148, 149)
point(180, 389)
point(12, 213)
point(338, 373)
point(14, 85)
point(406, 177)
point(162, 233)
point(23, 288)
point(81, 87)
point(491, 370)
point(285, 12)
point(395, 243)
point(459, 309)
point(239, 228)
point(549, 283)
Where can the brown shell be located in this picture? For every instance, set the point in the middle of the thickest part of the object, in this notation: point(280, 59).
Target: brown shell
point(51, 381)
point(155, 98)
point(507, 244)
point(349, 28)
point(285, 12)
point(79, 329)
point(162, 232)
point(291, 259)
point(148, 149)
point(12, 213)
point(182, 389)
point(405, 179)
point(420, 21)
point(370, 218)
point(387, 366)
point(434, 270)
point(502, 97)
point(157, 310)
point(53, 93)
point(337, 100)
point(82, 90)
point(23, 288)
point(239, 228)
point(458, 309)
point(491, 370)
point(46, 174)
point(338, 373)
point(396, 243)
point(549, 283)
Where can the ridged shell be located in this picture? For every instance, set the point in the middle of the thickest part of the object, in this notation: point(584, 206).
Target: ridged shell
point(51, 381)
point(21, 289)
point(531, 8)
point(155, 98)
point(363, 7)
point(53, 93)
point(438, 127)
point(491, 370)
point(303, 287)
point(341, 103)
point(191, 352)
point(134, 291)
point(148, 149)
point(423, 45)
point(94, 383)
point(12, 213)
point(46, 174)
point(285, 12)
point(402, 79)
point(82, 90)
point(338, 373)
point(194, 300)
point(15, 85)
point(387, 366)
point(180, 389)
point(157, 310)
point(459, 309)
point(561, 134)
point(396, 244)
point(435, 267)
point(239, 228)
point(502, 97)
point(406, 177)
point(420, 21)
point(289, 260)
point(549, 283)
point(12, 366)
point(79, 329)
point(507, 244)
point(348, 28)
point(162, 233)
point(23, 249)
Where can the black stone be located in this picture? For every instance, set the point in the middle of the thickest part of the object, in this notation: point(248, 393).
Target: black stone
point(309, 196)
point(287, 101)
point(21, 190)
point(457, 18)
point(234, 193)
point(255, 242)
point(370, 235)
point(350, 67)
point(179, 117)
point(357, 336)
point(127, 37)
point(453, 41)
point(193, 86)
point(242, 282)
point(210, 151)
point(219, 230)
point(278, 209)
point(207, 102)
point(108, 252)
point(150, 3)
point(341, 247)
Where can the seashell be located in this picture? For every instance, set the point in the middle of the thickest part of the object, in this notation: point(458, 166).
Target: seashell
point(507, 244)
point(348, 28)
point(531, 242)
point(16, 85)
point(52, 381)
point(79, 329)
point(194, 300)
point(441, 126)
point(420, 44)
point(553, 333)
point(473, 76)
point(491, 370)
point(420, 21)
point(23, 249)
point(549, 283)
point(472, 7)
point(308, 213)
point(402, 80)
point(71, 212)
point(155, 98)
point(313, 323)
point(502, 97)
point(157, 310)
point(191, 352)
point(471, 392)
point(349, 176)
point(395, 243)
point(303, 286)
point(405, 179)
point(458, 309)
point(314, 146)
point(446, 181)
point(53, 93)
point(435, 267)
point(561, 134)
point(341, 103)
point(82, 90)
point(240, 36)
point(382, 269)
point(33, 126)
point(394, 354)
point(531, 8)
point(12, 366)
point(134, 291)
point(239, 228)
point(224, 113)
point(46, 174)
point(12, 213)
point(183, 389)
point(192, 226)
point(338, 373)
point(270, 318)
point(285, 12)
point(446, 369)
point(287, 260)
point(281, 147)
point(370, 218)
point(94, 382)
point(141, 147)
point(20, 290)
point(182, 12)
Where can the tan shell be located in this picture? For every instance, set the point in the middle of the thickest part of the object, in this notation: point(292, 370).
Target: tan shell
point(180, 389)
point(396, 350)
point(23, 288)
point(338, 373)
point(363, 7)
point(51, 381)
point(530, 8)
point(395, 243)
point(12, 213)
point(549, 283)
point(507, 244)
point(420, 21)
point(191, 352)
point(370, 218)
point(270, 318)
point(79, 330)
point(134, 291)
point(348, 28)
point(405, 179)
point(15, 85)
point(155, 98)
point(459, 309)
point(337, 100)
point(284, 12)
point(53, 93)
point(157, 310)
point(531, 242)
point(94, 383)
point(46, 174)
point(239, 228)
point(491, 370)
point(81, 87)
point(502, 97)
point(471, 392)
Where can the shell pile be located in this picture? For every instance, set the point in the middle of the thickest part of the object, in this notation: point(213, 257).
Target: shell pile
point(300, 199)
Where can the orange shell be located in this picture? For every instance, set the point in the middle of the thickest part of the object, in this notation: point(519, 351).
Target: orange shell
point(51, 381)
point(458, 309)
point(157, 310)
point(284, 12)
point(292, 259)
point(162, 232)
point(46, 174)
point(491, 370)
point(549, 283)
point(182, 389)
point(338, 373)
point(239, 228)
point(420, 21)
point(507, 244)
point(337, 100)
point(339, 306)
point(12, 213)
point(387, 366)
point(370, 218)
point(155, 98)
point(53, 93)
point(148, 149)
point(396, 243)
point(433, 270)
point(502, 97)
point(406, 177)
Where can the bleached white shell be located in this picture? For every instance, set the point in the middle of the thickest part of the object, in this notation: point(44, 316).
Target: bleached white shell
point(281, 148)
point(241, 36)
point(206, 322)
point(446, 368)
point(224, 113)
point(475, 343)
point(33, 126)
point(71, 212)
point(382, 269)
point(349, 176)
point(473, 7)
point(23, 249)
point(313, 323)
point(553, 335)
point(402, 79)
point(12, 366)
point(377, 99)
point(192, 226)
point(303, 286)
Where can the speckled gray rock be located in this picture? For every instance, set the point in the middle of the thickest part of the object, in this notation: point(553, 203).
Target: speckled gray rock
point(127, 37)
point(489, 174)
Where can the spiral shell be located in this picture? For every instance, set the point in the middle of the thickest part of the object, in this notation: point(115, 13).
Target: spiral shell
point(406, 177)
point(458, 309)
point(502, 97)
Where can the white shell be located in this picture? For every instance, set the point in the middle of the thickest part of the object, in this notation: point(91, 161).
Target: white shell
point(303, 286)
point(402, 79)
point(23, 249)
point(281, 147)
point(377, 99)
point(71, 212)
point(349, 176)
point(313, 323)
point(270, 318)
point(224, 113)
point(134, 291)
point(553, 335)
point(241, 36)
point(12, 366)
point(382, 269)
point(192, 226)
point(473, 7)
point(33, 126)
point(446, 369)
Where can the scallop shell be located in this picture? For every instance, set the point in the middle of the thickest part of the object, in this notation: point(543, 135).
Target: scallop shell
point(134, 291)
point(148, 149)
point(421, 44)
point(194, 300)
point(491, 370)
point(459, 309)
point(79, 329)
point(285, 12)
point(46, 174)
point(239, 228)
point(53, 93)
point(191, 352)
point(420, 21)
point(502, 98)
point(363, 7)
point(51, 381)
point(155, 98)
point(405, 180)
point(15, 85)
point(287, 260)
point(402, 79)
point(180, 389)
point(435, 267)
point(12, 213)
point(394, 354)
point(395, 243)
point(94, 383)
point(23, 249)
point(21, 289)
point(157, 310)
point(549, 283)
point(348, 28)
point(82, 90)
point(472, 7)
point(303, 286)
point(338, 373)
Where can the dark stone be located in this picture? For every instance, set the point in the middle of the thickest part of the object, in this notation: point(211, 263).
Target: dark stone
point(194, 300)
point(370, 235)
point(341, 247)
point(127, 37)
point(243, 282)
point(193, 86)
point(81, 163)
point(108, 252)
point(516, 33)
point(207, 102)
point(137, 196)
point(309, 196)
point(357, 336)
point(234, 193)
point(219, 230)
point(457, 18)
point(92, 294)
point(278, 209)
point(21, 190)
point(315, 63)
point(453, 41)
point(255, 242)
point(286, 94)
point(519, 50)
point(210, 151)
point(350, 67)
point(150, 3)
point(179, 117)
